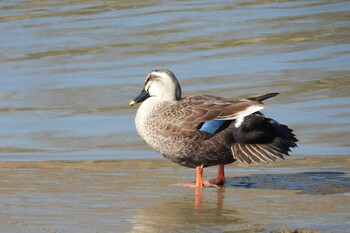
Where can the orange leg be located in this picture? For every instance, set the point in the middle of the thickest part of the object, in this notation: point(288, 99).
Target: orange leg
point(220, 178)
point(199, 179)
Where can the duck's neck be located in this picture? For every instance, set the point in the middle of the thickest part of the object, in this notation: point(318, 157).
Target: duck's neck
point(152, 106)
point(147, 112)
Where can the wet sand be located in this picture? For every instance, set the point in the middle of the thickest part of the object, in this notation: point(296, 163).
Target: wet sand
point(296, 195)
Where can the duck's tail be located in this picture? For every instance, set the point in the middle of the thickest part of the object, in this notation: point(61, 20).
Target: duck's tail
point(261, 98)
point(260, 139)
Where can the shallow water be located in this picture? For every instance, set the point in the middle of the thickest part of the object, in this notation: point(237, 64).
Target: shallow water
point(142, 196)
point(70, 68)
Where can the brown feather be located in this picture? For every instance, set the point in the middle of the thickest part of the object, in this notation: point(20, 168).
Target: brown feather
point(258, 153)
point(255, 153)
point(270, 157)
point(193, 110)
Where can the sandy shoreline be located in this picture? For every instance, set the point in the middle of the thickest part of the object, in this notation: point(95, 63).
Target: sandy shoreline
point(140, 196)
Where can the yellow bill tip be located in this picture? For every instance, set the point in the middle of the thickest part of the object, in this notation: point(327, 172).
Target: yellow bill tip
point(132, 103)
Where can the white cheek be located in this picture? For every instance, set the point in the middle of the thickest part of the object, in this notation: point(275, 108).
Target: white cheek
point(153, 90)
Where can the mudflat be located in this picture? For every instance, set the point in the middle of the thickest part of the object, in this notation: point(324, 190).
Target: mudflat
point(296, 195)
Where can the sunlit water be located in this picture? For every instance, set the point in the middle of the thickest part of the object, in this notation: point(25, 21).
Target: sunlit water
point(70, 68)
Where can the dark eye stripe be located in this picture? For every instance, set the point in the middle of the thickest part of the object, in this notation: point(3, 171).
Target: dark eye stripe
point(150, 78)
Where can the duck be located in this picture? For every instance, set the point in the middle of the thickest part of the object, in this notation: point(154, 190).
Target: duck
point(203, 130)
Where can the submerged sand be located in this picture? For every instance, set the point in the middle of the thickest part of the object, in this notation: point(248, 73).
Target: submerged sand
point(296, 195)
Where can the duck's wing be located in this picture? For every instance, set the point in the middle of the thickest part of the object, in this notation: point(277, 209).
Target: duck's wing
point(261, 139)
point(255, 138)
point(208, 113)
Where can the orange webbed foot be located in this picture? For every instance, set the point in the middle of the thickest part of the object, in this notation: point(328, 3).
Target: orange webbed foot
point(214, 182)
point(219, 181)
point(189, 185)
point(205, 184)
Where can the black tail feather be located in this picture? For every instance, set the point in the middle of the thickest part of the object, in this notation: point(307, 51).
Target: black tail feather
point(261, 139)
point(263, 97)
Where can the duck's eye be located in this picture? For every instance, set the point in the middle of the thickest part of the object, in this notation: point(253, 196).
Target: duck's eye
point(149, 78)
point(148, 82)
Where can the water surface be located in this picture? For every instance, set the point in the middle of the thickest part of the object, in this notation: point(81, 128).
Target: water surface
point(70, 68)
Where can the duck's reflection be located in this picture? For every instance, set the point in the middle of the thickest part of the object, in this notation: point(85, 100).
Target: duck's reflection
point(199, 195)
point(188, 214)
point(198, 200)
point(197, 210)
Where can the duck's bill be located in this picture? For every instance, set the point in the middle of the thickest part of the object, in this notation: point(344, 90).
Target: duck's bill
point(140, 98)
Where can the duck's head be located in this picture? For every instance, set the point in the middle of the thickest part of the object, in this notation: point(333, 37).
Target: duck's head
point(160, 84)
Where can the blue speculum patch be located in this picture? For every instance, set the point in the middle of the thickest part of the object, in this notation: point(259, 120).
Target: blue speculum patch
point(212, 126)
